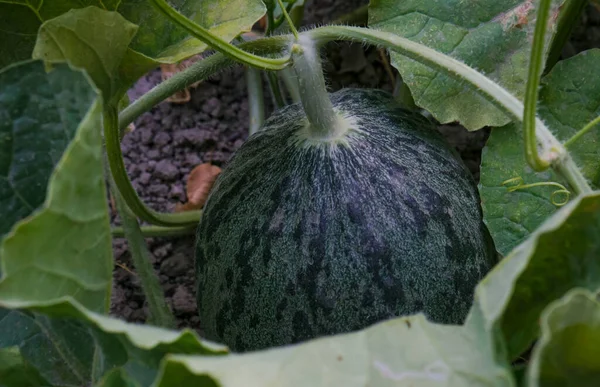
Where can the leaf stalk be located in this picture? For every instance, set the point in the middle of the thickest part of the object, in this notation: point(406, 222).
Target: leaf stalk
point(155, 231)
point(219, 44)
point(197, 72)
point(125, 188)
point(536, 66)
point(160, 314)
point(589, 126)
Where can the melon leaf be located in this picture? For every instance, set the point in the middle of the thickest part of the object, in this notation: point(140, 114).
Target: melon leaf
point(568, 352)
point(569, 98)
point(63, 246)
point(492, 36)
point(57, 259)
point(82, 38)
point(20, 21)
point(403, 351)
point(560, 255)
point(28, 155)
point(157, 39)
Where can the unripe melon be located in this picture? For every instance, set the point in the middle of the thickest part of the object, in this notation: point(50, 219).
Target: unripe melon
point(305, 237)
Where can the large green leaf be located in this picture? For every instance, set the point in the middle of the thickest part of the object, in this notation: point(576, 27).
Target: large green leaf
point(57, 238)
point(560, 255)
point(64, 248)
point(407, 351)
point(156, 38)
point(61, 351)
point(490, 35)
point(97, 41)
point(569, 98)
point(568, 353)
point(160, 39)
point(57, 261)
point(21, 19)
point(40, 115)
point(72, 346)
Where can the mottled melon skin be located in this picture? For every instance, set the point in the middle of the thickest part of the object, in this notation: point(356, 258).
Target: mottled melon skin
point(299, 240)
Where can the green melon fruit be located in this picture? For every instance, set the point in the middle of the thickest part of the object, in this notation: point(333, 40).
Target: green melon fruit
point(302, 238)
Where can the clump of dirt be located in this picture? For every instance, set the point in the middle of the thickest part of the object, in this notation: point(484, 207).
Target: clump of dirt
point(171, 139)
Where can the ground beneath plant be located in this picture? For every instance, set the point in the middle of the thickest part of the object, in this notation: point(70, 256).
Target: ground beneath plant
point(171, 139)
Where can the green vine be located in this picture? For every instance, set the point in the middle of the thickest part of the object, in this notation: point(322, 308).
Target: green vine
point(125, 188)
point(155, 231)
point(589, 126)
point(536, 66)
point(160, 314)
point(286, 16)
point(197, 72)
point(219, 44)
point(517, 183)
point(324, 122)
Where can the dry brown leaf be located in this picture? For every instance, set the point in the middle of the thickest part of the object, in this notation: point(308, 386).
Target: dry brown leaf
point(199, 184)
point(168, 70)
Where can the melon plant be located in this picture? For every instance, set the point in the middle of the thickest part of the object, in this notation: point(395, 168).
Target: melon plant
point(345, 225)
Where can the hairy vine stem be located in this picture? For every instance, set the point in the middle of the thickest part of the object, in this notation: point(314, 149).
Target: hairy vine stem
point(160, 314)
point(155, 231)
point(197, 72)
point(219, 44)
point(324, 122)
point(125, 188)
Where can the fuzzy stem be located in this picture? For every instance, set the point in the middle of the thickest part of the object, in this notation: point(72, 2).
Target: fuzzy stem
point(484, 86)
point(571, 172)
point(324, 122)
point(119, 173)
point(217, 43)
point(160, 314)
point(255, 99)
point(536, 66)
point(200, 70)
point(155, 231)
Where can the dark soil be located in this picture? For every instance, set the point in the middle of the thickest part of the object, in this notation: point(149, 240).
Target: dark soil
point(171, 139)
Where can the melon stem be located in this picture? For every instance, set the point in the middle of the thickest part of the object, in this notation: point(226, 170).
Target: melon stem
point(324, 122)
